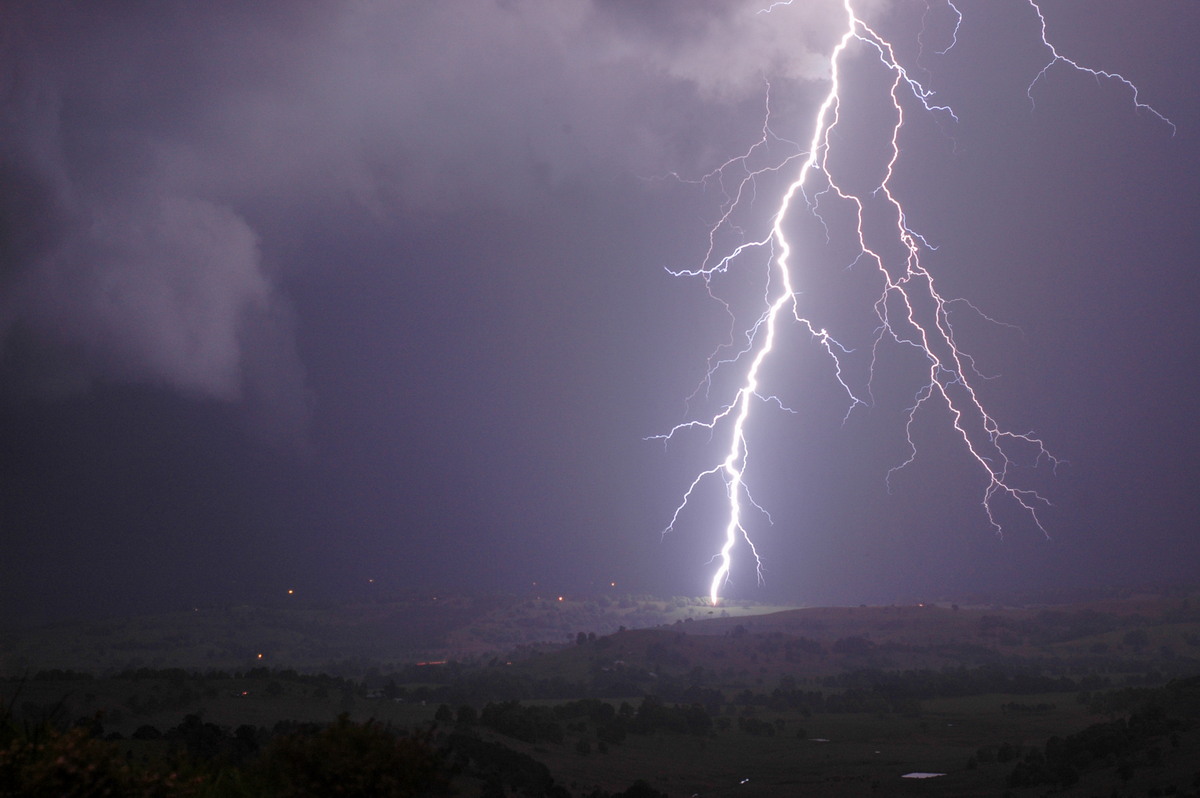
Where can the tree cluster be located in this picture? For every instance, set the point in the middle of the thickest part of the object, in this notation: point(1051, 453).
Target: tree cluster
point(1126, 743)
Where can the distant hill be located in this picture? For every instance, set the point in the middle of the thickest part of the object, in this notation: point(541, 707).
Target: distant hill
point(344, 638)
point(348, 639)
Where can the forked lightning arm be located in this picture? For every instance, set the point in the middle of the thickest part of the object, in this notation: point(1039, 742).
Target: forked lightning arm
point(909, 308)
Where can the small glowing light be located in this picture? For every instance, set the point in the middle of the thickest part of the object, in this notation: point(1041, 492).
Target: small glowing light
point(560, 598)
point(291, 592)
point(612, 584)
point(260, 656)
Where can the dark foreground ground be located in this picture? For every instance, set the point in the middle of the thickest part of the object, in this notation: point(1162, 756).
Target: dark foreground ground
point(537, 696)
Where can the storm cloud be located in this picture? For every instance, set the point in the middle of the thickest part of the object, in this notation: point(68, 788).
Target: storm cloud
point(141, 141)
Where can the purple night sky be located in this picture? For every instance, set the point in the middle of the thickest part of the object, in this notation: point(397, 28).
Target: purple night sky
point(302, 295)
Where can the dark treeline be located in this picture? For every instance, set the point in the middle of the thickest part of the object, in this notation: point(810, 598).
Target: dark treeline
point(611, 724)
point(1156, 720)
point(963, 681)
point(865, 690)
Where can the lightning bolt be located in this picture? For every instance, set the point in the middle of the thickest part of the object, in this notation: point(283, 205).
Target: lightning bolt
point(910, 310)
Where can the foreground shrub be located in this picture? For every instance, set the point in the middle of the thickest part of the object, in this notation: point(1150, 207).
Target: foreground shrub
point(74, 763)
point(352, 759)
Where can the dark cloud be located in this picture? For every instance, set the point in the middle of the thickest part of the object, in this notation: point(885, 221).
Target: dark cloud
point(140, 139)
point(124, 272)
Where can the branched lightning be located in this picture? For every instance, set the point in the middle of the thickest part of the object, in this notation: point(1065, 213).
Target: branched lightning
point(1058, 58)
point(909, 308)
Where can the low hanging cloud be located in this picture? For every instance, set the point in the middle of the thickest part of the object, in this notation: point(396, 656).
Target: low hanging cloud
point(156, 287)
point(107, 267)
point(138, 140)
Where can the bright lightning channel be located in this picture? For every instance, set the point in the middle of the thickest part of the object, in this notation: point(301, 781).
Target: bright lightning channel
point(909, 308)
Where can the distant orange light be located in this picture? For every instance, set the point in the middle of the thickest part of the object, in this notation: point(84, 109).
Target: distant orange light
point(260, 656)
point(290, 591)
point(560, 598)
point(612, 584)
